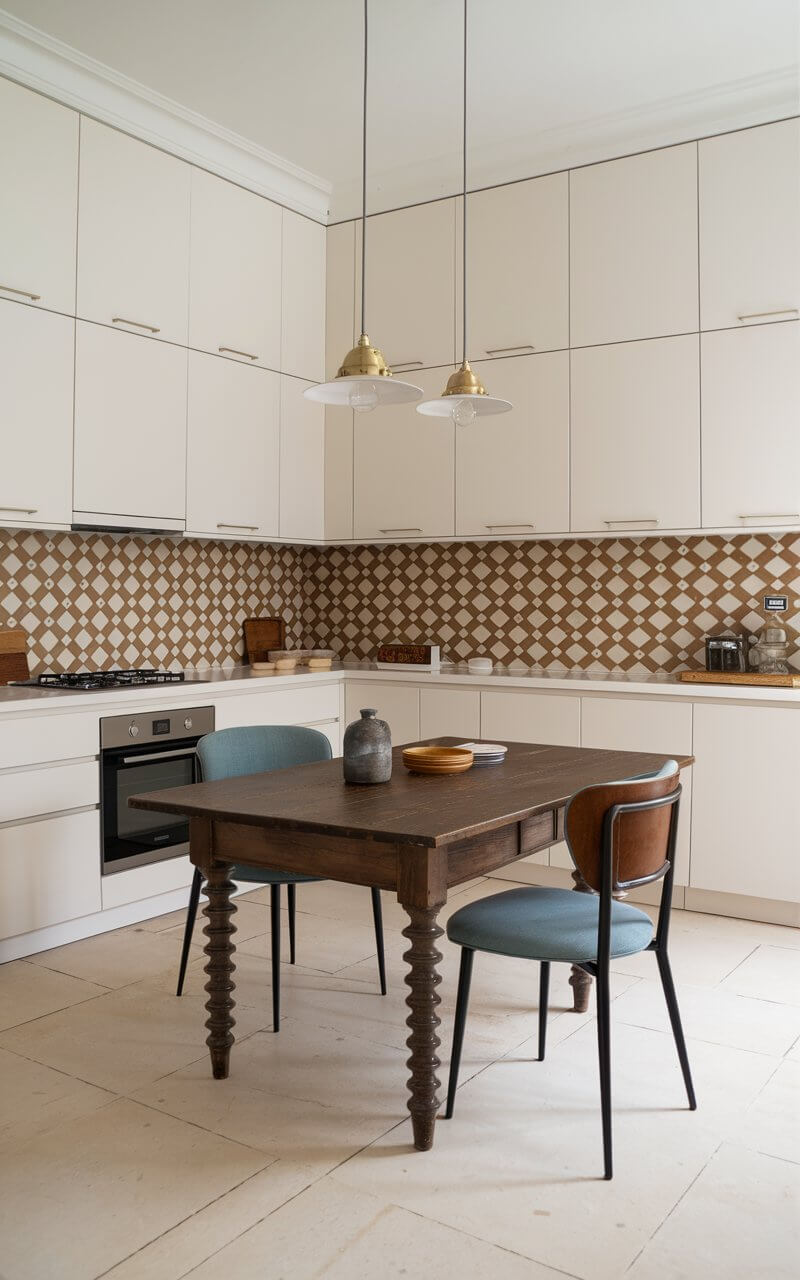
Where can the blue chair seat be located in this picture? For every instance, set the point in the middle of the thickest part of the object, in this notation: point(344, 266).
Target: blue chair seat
point(547, 924)
point(261, 875)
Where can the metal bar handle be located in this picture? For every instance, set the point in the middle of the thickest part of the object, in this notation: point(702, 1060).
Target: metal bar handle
point(137, 324)
point(21, 511)
point(232, 351)
point(221, 524)
point(407, 364)
point(149, 756)
point(773, 515)
point(503, 351)
point(638, 520)
point(516, 524)
point(21, 293)
point(762, 315)
point(415, 529)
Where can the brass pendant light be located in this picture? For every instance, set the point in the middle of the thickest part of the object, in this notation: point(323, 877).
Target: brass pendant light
point(465, 397)
point(364, 379)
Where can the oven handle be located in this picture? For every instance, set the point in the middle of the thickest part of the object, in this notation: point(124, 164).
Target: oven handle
point(147, 756)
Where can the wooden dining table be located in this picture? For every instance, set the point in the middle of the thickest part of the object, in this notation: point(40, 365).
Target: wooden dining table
point(416, 836)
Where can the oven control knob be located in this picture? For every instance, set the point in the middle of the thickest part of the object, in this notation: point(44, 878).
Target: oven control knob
point(187, 724)
point(133, 730)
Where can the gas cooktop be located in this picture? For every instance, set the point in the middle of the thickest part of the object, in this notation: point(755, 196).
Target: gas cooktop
point(87, 681)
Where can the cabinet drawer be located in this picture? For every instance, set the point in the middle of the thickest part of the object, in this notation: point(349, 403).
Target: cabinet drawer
point(43, 738)
point(48, 790)
point(283, 706)
point(146, 882)
point(49, 872)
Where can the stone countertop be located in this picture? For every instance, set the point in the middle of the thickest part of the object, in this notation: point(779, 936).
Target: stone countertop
point(232, 680)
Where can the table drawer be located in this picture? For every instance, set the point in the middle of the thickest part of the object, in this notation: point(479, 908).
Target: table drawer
point(49, 789)
point(537, 832)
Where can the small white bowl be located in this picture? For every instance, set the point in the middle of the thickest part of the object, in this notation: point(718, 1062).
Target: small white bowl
point(479, 666)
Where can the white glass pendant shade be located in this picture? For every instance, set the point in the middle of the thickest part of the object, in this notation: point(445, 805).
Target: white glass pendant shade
point(464, 399)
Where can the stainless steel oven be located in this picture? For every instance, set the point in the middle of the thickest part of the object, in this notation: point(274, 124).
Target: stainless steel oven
point(146, 752)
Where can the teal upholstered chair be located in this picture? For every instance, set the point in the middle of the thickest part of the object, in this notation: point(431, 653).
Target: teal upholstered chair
point(231, 753)
point(620, 835)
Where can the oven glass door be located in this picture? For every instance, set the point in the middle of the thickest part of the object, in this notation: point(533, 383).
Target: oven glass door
point(133, 837)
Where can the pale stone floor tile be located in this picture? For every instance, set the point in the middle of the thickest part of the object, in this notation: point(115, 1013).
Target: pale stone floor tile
point(771, 1125)
point(696, 957)
point(115, 959)
point(248, 914)
point(124, 1039)
point(714, 1014)
point(322, 944)
point(739, 1221)
point(77, 1198)
point(758, 932)
point(251, 920)
point(28, 991)
point(339, 1235)
point(770, 973)
point(34, 1098)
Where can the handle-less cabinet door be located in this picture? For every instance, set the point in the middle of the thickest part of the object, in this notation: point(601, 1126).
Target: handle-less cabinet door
point(340, 293)
point(518, 268)
point(130, 428)
point(232, 449)
point(39, 200)
point(636, 436)
point(36, 415)
point(512, 471)
point(403, 470)
point(303, 291)
point(633, 247)
point(302, 468)
point(411, 285)
point(235, 272)
point(397, 704)
point(751, 426)
point(750, 226)
point(133, 235)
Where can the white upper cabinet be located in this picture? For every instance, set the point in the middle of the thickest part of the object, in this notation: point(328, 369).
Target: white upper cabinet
point(133, 235)
point(512, 471)
point(130, 429)
point(39, 200)
point(633, 247)
point(235, 272)
point(411, 285)
point(232, 449)
point(751, 431)
point(518, 268)
point(302, 464)
point(636, 436)
point(340, 294)
point(303, 291)
point(338, 473)
point(750, 226)
point(36, 416)
point(403, 470)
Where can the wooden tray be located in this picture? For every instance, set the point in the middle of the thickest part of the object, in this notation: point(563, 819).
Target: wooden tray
point(786, 681)
point(261, 635)
point(13, 656)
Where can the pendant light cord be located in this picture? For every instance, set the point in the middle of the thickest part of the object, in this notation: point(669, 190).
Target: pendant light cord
point(464, 205)
point(364, 179)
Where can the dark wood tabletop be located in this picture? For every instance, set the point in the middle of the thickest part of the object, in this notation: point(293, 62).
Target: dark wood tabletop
point(410, 808)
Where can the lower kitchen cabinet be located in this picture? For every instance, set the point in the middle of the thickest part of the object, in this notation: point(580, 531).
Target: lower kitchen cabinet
point(130, 429)
point(140, 883)
point(49, 872)
point(302, 464)
point(745, 814)
point(450, 713)
point(310, 705)
point(397, 704)
point(550, 718)
point(38, 371)
point(232, 449)
point(632, 724)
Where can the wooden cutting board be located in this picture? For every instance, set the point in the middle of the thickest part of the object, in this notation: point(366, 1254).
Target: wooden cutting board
point(13, 656)
point(261, 635)
point(786, 681)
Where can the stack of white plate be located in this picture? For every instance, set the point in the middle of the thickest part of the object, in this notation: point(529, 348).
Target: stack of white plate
point(486, 752)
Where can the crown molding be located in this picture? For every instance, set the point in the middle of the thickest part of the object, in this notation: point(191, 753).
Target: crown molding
point(720, 108)
point(39, 61)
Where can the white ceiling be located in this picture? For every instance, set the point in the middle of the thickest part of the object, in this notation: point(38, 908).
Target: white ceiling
point(552, 82)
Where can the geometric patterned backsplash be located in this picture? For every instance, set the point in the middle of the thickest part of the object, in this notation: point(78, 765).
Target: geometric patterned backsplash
point(622, 604)
point(102, 600)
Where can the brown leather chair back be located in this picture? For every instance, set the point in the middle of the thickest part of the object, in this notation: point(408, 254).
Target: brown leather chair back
point(640, 839)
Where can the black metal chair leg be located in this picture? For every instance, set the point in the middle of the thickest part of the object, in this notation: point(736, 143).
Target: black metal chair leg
point(191, 913)
point(377, 916)
point(275, 941)
point(291, 893)
point(677, 1029)
point(462, 1001)
point(604, 1053)
point(544, 990)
